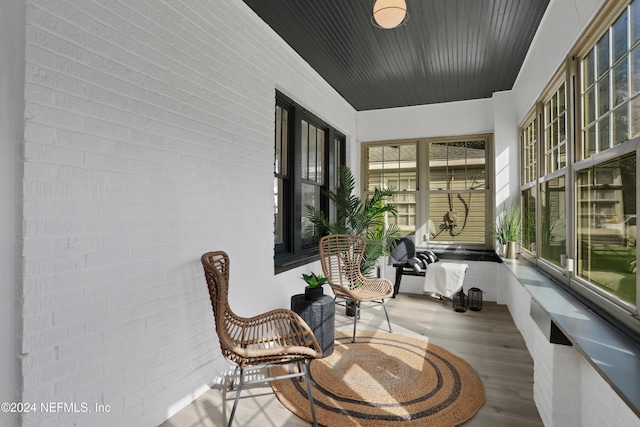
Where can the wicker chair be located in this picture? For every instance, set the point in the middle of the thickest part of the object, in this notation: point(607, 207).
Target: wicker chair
point(273, 338)
point(340, 256)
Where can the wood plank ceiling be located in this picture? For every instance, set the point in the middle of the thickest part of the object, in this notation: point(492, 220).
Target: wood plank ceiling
point(449, 50)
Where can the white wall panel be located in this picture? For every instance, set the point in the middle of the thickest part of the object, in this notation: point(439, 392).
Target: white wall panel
point(454, 118)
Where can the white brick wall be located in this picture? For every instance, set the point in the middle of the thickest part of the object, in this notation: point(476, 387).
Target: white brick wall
point(12, 26)
point(149, 140)
point(600, 405)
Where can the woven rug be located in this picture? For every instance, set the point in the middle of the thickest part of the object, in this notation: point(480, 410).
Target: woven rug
point(385, 380)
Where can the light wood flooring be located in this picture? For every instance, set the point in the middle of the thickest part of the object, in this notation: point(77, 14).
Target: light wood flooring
point(488, 340)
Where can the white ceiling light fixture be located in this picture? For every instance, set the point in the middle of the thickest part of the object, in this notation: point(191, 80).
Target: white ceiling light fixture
point(389, 14)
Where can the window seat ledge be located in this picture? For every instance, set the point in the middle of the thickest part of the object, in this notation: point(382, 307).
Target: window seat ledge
point(467, 254)
point(612, 353)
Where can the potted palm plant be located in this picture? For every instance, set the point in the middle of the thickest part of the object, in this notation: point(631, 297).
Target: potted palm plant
point(355, 216)
point(314, 291)
point(359, 217)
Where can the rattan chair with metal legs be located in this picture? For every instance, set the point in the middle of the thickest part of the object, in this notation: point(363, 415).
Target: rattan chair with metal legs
point(273, 338)
point(340, 256)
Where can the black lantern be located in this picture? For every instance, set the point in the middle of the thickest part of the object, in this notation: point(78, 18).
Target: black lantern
point(460, 302)
point(475, 299)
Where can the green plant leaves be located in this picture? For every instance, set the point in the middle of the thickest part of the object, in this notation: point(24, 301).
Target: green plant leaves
point(359, 218)
point(314, 281)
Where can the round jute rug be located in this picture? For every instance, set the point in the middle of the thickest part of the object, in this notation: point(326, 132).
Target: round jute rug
point(385, 380)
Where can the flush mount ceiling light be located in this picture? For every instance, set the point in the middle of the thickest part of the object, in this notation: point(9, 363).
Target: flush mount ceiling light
point(389, 14)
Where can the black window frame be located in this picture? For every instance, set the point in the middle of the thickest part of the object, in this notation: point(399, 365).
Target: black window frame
point(293, 252)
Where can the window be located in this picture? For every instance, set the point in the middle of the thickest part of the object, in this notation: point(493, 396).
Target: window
point(312, 176)
point(305, 150)
point(555, 131)
point(605, 188)
point(553, 236)
point(552, 201)
point(611, 85)
point(282, 176)
point(529, 151)
point(529, 174)
point(582, 206)
point(529, 203)
point(606, 228)
point(394, 166)
point(451, 205)
point(457, 200)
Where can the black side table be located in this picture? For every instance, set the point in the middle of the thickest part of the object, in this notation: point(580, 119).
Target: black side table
point(320, 316)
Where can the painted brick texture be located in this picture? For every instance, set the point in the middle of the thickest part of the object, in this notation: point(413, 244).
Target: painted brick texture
point(148, 141)
point(12, 29)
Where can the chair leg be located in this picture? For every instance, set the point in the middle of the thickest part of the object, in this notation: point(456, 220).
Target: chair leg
point(355, 320)
point(396, 287)
point(233, 378)
point(301, 369)
point(387, 314)
point(311, 404)
point(235, 402)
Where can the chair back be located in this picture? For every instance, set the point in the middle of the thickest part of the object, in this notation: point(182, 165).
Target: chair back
point(340, 257)
point(216, 272)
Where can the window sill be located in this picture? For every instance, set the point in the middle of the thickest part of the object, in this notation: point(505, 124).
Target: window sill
point(283, 264)
point(468, 254)
point(615, 355)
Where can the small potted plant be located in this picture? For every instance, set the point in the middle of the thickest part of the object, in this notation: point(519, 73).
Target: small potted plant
point(314, 290)
point(509, 228)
